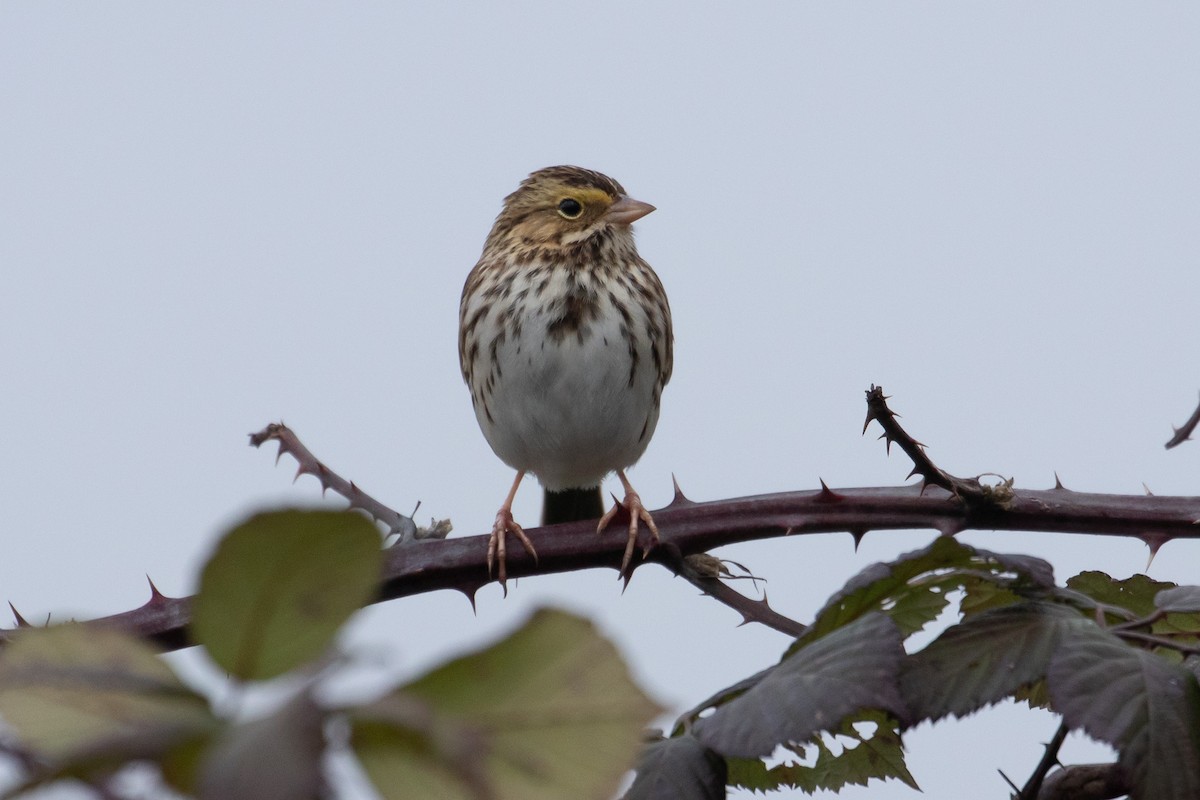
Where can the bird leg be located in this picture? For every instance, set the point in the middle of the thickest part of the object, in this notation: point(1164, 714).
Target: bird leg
point(505, 524)
point(637, 512)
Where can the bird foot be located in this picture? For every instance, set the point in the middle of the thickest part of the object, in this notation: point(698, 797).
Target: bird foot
point(504, 525)
point(637, 513)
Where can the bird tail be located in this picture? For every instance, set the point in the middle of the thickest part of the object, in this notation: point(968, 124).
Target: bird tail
point(572, 505)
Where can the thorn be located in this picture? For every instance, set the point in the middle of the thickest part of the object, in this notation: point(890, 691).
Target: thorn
point(857, 534)
point(622, 514)
point(680, 499)
point(826, 494)
point(1147, 488)
point(156, 596)
point(470, 595)
point(21, 623)
point(1059, 486)
point(1012, 785)
point(746, 618)
point(1154, 541)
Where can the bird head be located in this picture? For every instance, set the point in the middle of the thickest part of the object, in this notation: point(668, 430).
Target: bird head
point(559, 206)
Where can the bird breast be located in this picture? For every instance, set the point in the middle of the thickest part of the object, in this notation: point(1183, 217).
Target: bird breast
point(571, 391)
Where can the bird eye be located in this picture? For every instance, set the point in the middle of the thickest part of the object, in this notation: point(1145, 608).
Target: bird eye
point(570, 208)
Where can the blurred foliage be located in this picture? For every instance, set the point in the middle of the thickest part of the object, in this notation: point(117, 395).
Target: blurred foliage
point(552, 711)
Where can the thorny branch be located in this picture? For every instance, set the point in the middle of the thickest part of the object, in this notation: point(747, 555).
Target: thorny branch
point(972, 490)
point(1033, 787)
point(705, 573)
point(690, 528)
point(1184, 432)
point(701, 574)
point(399, 525)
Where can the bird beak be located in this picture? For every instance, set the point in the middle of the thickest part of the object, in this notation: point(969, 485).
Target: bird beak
point(627, 210)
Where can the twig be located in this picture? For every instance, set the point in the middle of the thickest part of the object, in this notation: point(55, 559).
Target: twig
point(700, 571)
point(969, 489)
point(1142, 622)
point(1157, 641)
point(1049, 759)
point(397, 523)
point(1183, 433)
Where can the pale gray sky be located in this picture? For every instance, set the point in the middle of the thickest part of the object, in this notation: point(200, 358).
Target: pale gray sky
point(217, 215)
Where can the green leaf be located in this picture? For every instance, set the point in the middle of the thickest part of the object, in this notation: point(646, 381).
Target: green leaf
point(1034, 694)
point(679, 768)
point(878, 755)
point(984, 659)
point(75, 693)
point(914, 588)
point(280, 585)
point(1144, 706)
point(981, 595)
point(812, 690)
point(1136, 593)
point(551, 712)
point(277, 757)
point(409, 750)
point(1140, 597)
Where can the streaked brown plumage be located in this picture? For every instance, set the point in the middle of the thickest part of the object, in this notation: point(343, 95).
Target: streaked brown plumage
point(565, 343)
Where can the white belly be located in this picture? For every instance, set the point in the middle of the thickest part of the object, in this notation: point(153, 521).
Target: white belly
point(565, 410)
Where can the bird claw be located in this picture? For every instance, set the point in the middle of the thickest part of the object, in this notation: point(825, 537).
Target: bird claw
point(637, 512)
point(505, 524)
